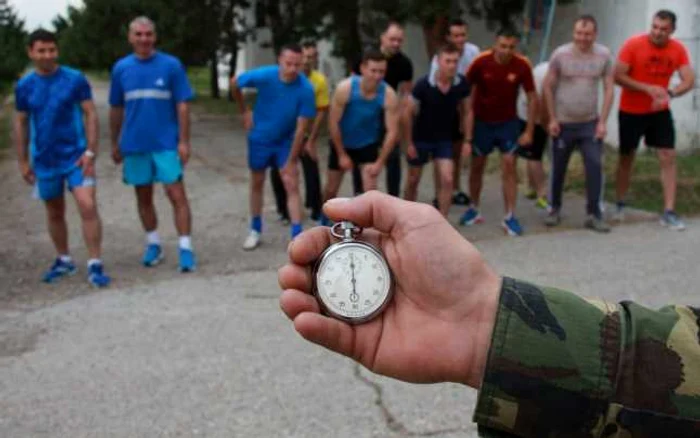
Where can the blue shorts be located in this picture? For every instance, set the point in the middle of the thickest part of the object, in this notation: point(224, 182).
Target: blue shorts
point(147, 168)
point(501, 135)
point(47, 189)
point(431, 150)
point(261, 156)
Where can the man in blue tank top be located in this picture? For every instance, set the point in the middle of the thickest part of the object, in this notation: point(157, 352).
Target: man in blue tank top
point(56, 133)
point(284, 107)
point(150, 127)
point(356, 126)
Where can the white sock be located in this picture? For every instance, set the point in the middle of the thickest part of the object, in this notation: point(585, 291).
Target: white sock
point(153, 238)
point(94, 262)
point(65, 258)
point(186, 243)
point(509, 216)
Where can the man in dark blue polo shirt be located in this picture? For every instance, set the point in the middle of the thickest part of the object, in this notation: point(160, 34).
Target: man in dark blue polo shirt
point(430, 120)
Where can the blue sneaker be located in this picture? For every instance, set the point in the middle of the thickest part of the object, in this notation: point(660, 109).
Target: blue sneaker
point(152, 256)
point(97, 277)
point(324, 221)
point(188, 261)
point(471, 217)
point(512, 227)
point(58, 270)
point(671, 220)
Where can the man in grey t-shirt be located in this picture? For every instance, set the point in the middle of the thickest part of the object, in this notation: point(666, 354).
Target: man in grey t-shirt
point(571, 90)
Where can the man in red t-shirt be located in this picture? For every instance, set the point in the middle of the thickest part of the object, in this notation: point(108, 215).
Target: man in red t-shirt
point(645, 66)
point(496, 77)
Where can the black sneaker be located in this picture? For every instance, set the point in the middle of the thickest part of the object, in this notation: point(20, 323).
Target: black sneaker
point(461, 198)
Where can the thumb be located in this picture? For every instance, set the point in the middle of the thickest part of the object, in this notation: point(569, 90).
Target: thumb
point(371, 210)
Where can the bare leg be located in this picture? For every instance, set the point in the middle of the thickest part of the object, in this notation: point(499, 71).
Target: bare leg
point(476, 176)
point(624, 174)
point(667, 161)
point(56, 219)
point(147, 210)
point(181, 208)
point(411, 188)
point(445, 170)
point(92, 225)
point(510, 181)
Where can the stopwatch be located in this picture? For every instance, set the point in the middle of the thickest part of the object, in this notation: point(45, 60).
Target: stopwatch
point(352, 279)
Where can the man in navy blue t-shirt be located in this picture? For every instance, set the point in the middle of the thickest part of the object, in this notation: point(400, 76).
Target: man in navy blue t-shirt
point(56, 132)
point(150, 128)
point(436, 104)
point(284, 106)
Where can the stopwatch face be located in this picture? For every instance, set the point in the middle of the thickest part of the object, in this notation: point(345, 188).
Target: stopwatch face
point(353, 282)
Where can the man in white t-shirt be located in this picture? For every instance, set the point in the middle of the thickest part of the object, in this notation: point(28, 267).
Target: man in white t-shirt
point(537, 180)
point(457, 34)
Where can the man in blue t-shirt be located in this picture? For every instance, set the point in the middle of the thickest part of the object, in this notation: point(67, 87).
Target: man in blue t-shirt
point(284, 106)
point(56, 133)
point(150, 129)
point(440, 101)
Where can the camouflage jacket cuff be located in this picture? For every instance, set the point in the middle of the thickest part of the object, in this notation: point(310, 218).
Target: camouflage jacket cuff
point(563, 366)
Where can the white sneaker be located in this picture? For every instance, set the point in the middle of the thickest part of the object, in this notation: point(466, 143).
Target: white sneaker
point(252, 241)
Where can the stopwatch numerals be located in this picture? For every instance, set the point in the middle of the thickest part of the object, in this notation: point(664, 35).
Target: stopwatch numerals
point(380, 279)
point(334, 295)
point(342, 304)
point(376, 292)
point(355, 306)
point(368, 303)
point(328, 282)
point(375, 266)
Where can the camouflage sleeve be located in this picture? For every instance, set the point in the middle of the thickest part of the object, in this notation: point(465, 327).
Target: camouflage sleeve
point(563, 366)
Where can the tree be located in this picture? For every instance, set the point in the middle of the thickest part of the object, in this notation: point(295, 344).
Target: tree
point(12, 44)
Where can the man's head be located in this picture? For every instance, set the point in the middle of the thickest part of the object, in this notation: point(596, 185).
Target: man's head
point(457, 33)
point(448, 60)
point(392, 38)
point(585, 32)
point(373, 67)
point(662, 27)
point(310, 54)
point(142, 36)
point(506, 44)
point(290, 62)
point(42, 49)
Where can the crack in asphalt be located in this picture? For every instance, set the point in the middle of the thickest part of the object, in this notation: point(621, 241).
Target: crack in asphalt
point(391, 421)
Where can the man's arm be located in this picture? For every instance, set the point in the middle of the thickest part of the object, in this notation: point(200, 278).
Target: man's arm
point(298, 142)
point(21, 128)
point(531, 111)
point(116, 119)
point(687, 81)
point(623, 79)
point(548, 87)
point(469, 122)
point(238, 96)
point(391, 121)
point(340, 99)
point(92, 125)
point(407, 116)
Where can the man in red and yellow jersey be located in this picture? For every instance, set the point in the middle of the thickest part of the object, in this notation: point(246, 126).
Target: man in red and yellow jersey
point(496, 77)
point(645, 66)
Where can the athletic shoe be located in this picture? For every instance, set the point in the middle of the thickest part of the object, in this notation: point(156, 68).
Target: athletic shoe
point(324, 221)
point(512, 227)
point(283, 219)
point(553, 219)
point(152, 256)
point(531, 194)
point(58, 270)
point(188, 261)
point(619, 215)
point(596, 224)
point(471, 217)
point(542, 203)
point(315, 216)
point(671, 220)
point(252, 241)
point(96, 276)
point(461, 198)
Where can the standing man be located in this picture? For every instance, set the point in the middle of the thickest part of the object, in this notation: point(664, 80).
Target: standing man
point(150, 127)
point(399, 76)
point(439, 100)
point(576, 71)
point(644, 69)
point(536, 177)
point(276, 128)
point(496, 77)
point(356, 127)
point(56, 102)
point(309, 154)
point(457, 34)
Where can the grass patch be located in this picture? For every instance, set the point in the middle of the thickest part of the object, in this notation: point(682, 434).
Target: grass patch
point(5, 117)
point(646, 192)
point(203, 100)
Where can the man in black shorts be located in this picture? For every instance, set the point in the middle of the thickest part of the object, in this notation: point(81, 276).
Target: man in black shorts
point(356, 127)
point(437, 99)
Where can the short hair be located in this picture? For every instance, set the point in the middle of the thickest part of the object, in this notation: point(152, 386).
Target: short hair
point(42, 35)
point(507, 32)
point(392, 23)
point(448, 48)
point(587, 18)
point(372, 55)
point(142, 19)
point(456, 22)
point(309, 45)
point(295, 48)
point(665, 14)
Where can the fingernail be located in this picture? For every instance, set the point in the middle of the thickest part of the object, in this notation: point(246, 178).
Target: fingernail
point(337, 200)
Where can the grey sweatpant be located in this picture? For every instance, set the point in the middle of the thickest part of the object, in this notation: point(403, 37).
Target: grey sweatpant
point(581, 135)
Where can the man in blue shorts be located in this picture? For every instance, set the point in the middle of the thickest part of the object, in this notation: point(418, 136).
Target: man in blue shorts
point(150, 130)
point(438, 99)
point(56, 133)
point(284, 107)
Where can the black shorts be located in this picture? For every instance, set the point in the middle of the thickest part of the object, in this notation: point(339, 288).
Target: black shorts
point(656, 128)
point(539, 142)
point(364, 155)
